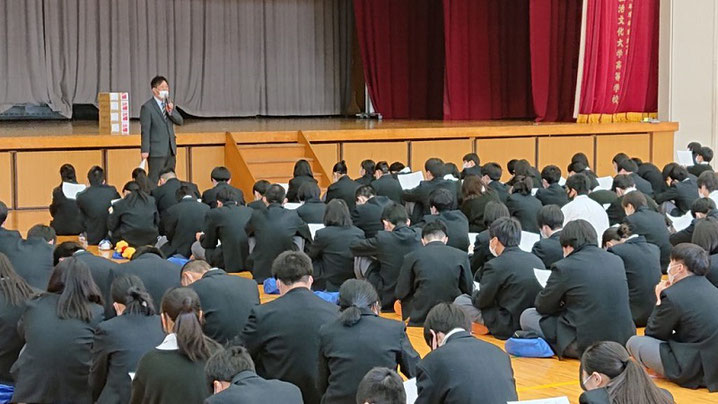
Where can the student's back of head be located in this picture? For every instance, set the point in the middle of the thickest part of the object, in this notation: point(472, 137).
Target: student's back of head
point(578, 183)
point(709, 180)
point(291, 267)
point(623, 182)
point(381, 386)
point(627, 165)
point(395, 214)
point(134, 193)
point(441, 319)
point(226, 196)
point(337, 214)
point(180, 310)
point(706, 153)
point(260, 187)
point(434, 231)
point(220, 174)
point(167, 174)
point(523, 185)
point(578, 233)
point(308, 191)
point(491, 170)
point(705, 235)
point(471, 158)
point(381, 168)
point(507, 231)
point(693, 257)
point(184, 190)
point(493, 211)
point(674, 172)
point(340, 168)
point(129, 296)
point(302, 169)
point(96, 176)
point(551, 216)
point(580, 158)
point(140, 177)
point(275, 194)
point(442, 200)
point(435, 167)
point(396, 166)
point(3, 213)
point(368, 167)
point(44, 232)
point(13, 289)
point(551, 174)
point(67, 173)
point(356, 296)
point(72, 280)
point(147, 250)
point(364, 193)
point(225, 364)
point(64, 250)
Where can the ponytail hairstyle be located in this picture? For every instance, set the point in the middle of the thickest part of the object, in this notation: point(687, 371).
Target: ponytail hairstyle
point(182, 306)
point(139, 176)
point(130, 291)
point(136, 193)
point(72, 280)
point(355, 297)
point(67, 173)
point(13, 289)
point(629, 382)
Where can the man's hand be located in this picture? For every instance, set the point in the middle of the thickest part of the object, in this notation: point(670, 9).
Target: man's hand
point(169, 107)
point(663, 285)
point(198, 235)
point(144, 156)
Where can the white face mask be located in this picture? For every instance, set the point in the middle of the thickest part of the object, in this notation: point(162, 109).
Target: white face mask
point(164, 94)
point(671, 277)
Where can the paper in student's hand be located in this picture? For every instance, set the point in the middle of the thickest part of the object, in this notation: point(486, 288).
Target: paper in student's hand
point(605, 183)
point(411, 391)
point(542, 276)
point(410, 181)
point(528, 240)
point(292, 206)
point(680, 223)
point(71, 190)
point(684, 158)
point(314, 227)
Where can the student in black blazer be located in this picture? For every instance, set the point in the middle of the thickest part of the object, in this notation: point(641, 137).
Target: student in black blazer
point(58, 329)
point(681, 192)
point(94, 203)
point(524, 206)
point(166, 193)
point(345, 357)
point(367, 172)
point(461, 369)
point(235, 381)
point(259, 189)
point(221, 177)
point(443, 204)
point(66, 218)
point(643, 269)
point(703, 158)
point(385, 184)
point(120, 342)
point(623, 185)
point(548, 248)
point(471, 165)
point(475, 197)
point(649, 172)
point(585, 299)
point(283, 335)
point(701, 208)
point(182, 221)
point(227, 224)
point(682, 332)
point(31, 258)
point(581, 168)
point(157, 274)
point(331, 256)
point(551, 193)
point(388, 247)
point(628, 167)
point(706, 236)
point(482, 254)
point(491, 177)
point(274, 230)
point(312, 209)
point(134, 218)
point(302, 175)
point(226, 300)
point(647, 223)
point(343, 187)
point(435, 170)
point(432, 274)
point(366, 215)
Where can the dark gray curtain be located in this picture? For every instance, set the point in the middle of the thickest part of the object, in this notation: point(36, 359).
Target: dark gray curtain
point(222, 57)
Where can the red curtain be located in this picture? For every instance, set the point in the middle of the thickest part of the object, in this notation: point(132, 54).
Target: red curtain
point(401, 43)
point(555, 40)
point(621, 57)
point(488, 69)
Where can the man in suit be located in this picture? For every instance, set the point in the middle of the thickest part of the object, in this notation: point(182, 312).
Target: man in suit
point(221, 178)
point(182, 221)
point(283, 335)
point(548, 248)
point(31, 258)
point(623, 185)
point(367, 213)
point(471, 166)
point(158, 274)
point(385, 184)
point(626, 166)
point(166, 193)
point(645, 222)
point(388, 247)
point(460, 368)
point(551, 193)
point(703, 161)
point(435, 170)
point(443, 208)
point(157, 119)
point(491, 177)
point(381, 385)
point(226, 300)
point(226, 225)
point(94, 203)
point(432, 274)
point(259, 189)
point(274, 230)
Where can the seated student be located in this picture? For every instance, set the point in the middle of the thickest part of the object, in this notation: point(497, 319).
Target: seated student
point(385, 184)
point(283, 335)
point(274, 230)
point(491, 177)
point(443, 202)
point(708, 185)
point(694, 147)
point(182, 221)
point(312, 209)
point(649, 172)
point(701, 208)
point(461, 368)
point(120, 342)
point(645, 222)
point(609, 375)
point(343, 187)
point(435, 170)
point(396, 168)
point(134, 218)
point(94, 203)
point(66, 218)
point(452, 172)
point(173, 372)
point(471, 166)
point(157, 274)
point(367, 172)
point(548, 248)
point(580, 165)
point(522, 205)
point(58, 329)
point(302, 175)
point(330, 251)
point(623, 185)
point(259, 189)
point(15, 293)
point(706, 236)
point(682, 191)
point(166, 193)
point(583, 207)
point(8, 238)
point(366, 215)
point(703, 161)
point(522, 168)
point(626, 166)
point(226, 300)
point(139, 175)
point(381, 386)
point(641, 260)
point(482, 253)
point(235, 381)
point(31, 258)
point(225, 224)
point(682, 332)
point(432, 274)
point(475, 197)
point(585, 299)
point(345, 357)
point(388, 247)
point(551, 193)
point(221, 178)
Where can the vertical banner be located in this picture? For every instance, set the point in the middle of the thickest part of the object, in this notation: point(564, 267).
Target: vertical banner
point(125, 112)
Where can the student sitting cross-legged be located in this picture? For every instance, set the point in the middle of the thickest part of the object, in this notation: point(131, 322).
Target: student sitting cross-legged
point(548, 248)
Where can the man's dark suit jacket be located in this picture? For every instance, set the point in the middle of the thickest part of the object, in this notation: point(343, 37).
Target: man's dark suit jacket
point(283, 338)
point(94, 203)
point(227, 224)
point(345, 357)
point(686, 235)
point(420, 196)
point(501, 190)
point(248, 388)
point(617, 215)
point(182, 221)
point(332, 257)
point(475, 170)
point(209, 196)
point(482, 254)
point(368, 216)
point(345, 188)
point(465, 370)
point(553, 195)
point(157, 274)
point(652, 226)
point(651, 173)
point(457, 227)
point(430, 275)
point(158, 133)
point(388, 186)
point(312, 211)
point(138, 224)
point(166, 194)
point(508, 287)
point(389, 249)
point(226, 303)
point(66, 218)
point(525, 209)
point(10, 341)
point(273, 230)
point(682, 194)
point(101, 269)
point(294, 184)
point(549, 250)
point(586, 301)
point(31, 258)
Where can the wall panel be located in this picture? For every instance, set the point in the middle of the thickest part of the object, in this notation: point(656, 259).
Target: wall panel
point(6, 179)
point(355, 153)
point(204, 159)
point(502, 150)
point(558, 150)
point(607, 146)
point(451, 151)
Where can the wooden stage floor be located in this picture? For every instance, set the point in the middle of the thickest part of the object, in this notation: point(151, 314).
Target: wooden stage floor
point(535, 378)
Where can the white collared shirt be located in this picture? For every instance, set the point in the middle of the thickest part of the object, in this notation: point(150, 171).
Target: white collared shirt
point(583, 207)
point(169, 343)
point(450, 333)
point(714, 195)
point(159, 103)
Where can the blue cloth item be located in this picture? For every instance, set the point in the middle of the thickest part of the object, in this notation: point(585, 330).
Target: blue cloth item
point(178, 259)
point(270, 286)
point(6, 393)
point(528, 348)
point(331, 297)
point(117, 256)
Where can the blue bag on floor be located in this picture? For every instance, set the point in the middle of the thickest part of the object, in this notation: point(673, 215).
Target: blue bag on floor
point(270, 286)
point(528, 345)
point(178, 259)
point(331, 297)
point(6, 393)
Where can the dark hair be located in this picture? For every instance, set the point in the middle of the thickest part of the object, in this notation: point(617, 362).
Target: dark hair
point(702, 205)
point(303, 169)
point(340, 167)
point(396, 166)
point(395, 214)
point(434, 163)
point(96, 176)
point(168, 173)
point(579, 183)
point(627, 165)
point(705, 234)
point(13, 288)
point(71, 278)
point(637, 160)
point(182, 305)
point(473, 187)
point(675, 172)
point(366, 191)
point(522, 185)
point(451, 168)
point(551, 173)
point(611, 234)
point(551, 216)
point(443, 318)
point(492, 170)
point(67, 173)
point(157, 80)
point(442, 199)
point(623, 181)
point(709, 179)
point(275, 194)
point(694, 146)
point(130, 291)
point(511, 166)
point(226, 195)
point(706, 152)
point(147, 249)
point(195, 266)
point(630, 384)
point(136, 193)
point(507, 230)
point(381, 386)
point(472, 157)
point(580, 157)
point(228, 362)
point(3, 212)
point(578, 233)
point(493, 211)
point(382, 166)
point(42, 231)
point(619, 157)
point(337, 214)
point(522, 167)
point(437, 228)
point(308, 190)
point(635, 199)
point(220, 174)
point(355, 296)
point(291, 267)
point(186, 190)
point(368, 166)
point(143, 181)
point(261, 186)
point(577, 167)
point(624, 230)
point(64, 250)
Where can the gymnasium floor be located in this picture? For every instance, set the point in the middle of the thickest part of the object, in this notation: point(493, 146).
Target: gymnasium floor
point(535, 378)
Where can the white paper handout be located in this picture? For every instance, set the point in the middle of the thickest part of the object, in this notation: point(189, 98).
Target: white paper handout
point(411, 391)
point(409, 181)
point(605, 183)
point(292, 206)
point(680, 223)
point(533, 191)
point(314, 227)
point(477, 286)
point(552, 400)
point(542, 276)
point(528, 240)
point(143, 164)
point(285, 186)
point(684, 158)
point(562, 181)
point(71, 190)
point(472, 240)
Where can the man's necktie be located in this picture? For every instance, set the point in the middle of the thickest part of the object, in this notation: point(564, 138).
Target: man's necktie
point(164, 110)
